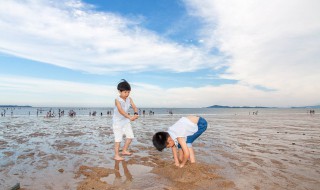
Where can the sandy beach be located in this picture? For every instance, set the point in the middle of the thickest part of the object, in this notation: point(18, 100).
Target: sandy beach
point(273, 150)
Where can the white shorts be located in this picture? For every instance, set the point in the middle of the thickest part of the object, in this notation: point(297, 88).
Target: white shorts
point(122, 130)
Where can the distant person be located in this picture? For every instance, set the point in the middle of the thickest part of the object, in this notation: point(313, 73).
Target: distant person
point(182, 134)
point(121, 119)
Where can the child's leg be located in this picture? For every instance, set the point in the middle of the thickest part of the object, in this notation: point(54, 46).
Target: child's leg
point(192, 157)
point(202, 126)
point(116, 151)
point(180, 154)
point(117, 140)
point(126, 146)
point(129, 136)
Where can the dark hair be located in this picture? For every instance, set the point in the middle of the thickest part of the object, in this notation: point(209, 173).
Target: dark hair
point(124, 85)
point(160, 140)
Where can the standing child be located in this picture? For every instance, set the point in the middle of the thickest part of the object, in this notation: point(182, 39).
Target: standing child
point(121, 119)
point(181, 134)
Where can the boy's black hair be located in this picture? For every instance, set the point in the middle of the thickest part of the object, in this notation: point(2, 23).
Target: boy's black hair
point(160, 140)
point(124, 85)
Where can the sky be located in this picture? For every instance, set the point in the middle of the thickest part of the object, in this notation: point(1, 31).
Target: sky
point(174, 53)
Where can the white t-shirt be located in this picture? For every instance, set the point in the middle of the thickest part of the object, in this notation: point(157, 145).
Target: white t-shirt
point(182, 128)
point(118, 119)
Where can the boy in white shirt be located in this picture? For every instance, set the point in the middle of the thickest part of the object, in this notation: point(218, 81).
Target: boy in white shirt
point(181, 135)
point(121, 119)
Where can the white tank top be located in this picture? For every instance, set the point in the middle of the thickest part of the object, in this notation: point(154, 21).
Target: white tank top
point(182, 128)
point(118, 119)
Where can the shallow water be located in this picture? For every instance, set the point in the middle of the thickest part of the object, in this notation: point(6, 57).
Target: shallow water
point(276, 149)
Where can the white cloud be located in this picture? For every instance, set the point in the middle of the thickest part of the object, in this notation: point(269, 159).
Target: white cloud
point(70, 34)
point(43, 92)
point(274, 44)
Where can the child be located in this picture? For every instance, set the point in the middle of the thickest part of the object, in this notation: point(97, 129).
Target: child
point(121, 119)
point(183, 133)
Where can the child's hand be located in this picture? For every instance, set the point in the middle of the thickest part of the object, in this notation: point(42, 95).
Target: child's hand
point(177, 164)
point(181, 165)
point(134, 117)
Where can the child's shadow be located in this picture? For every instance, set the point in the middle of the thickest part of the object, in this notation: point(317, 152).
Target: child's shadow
point(118, 178)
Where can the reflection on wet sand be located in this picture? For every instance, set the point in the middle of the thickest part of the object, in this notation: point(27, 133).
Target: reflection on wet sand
point(110, 178)
point(118, 180)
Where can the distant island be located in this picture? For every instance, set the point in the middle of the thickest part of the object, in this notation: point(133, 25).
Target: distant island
point(300, 107)
point(310, 107)
point(219, 106)
point(14, 106)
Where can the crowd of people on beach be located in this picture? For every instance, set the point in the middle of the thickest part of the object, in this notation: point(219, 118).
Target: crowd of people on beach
point(3, 114)
point(51, 113)
point(311, 112)
point(254, 113)
point(72, 113)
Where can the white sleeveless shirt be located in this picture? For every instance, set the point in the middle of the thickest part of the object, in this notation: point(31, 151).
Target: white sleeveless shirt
point(182, 128)
point(118, 119)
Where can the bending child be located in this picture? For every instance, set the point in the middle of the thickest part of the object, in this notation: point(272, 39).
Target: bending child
point(121, 119)
point(181, 135)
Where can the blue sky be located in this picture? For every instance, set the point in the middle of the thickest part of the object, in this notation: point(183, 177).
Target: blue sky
point(175, 53)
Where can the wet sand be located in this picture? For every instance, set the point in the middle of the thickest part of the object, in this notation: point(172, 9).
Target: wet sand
point(271, 151)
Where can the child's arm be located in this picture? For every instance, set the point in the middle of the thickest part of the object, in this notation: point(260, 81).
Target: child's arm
point(134, 107)
point(185, 150)
point(175, 155)
point(121, 111)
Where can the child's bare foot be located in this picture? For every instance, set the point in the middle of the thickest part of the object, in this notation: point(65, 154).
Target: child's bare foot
point(126, 153)
point(118, 158)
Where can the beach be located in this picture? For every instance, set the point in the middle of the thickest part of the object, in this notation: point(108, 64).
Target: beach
point(275, 149)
